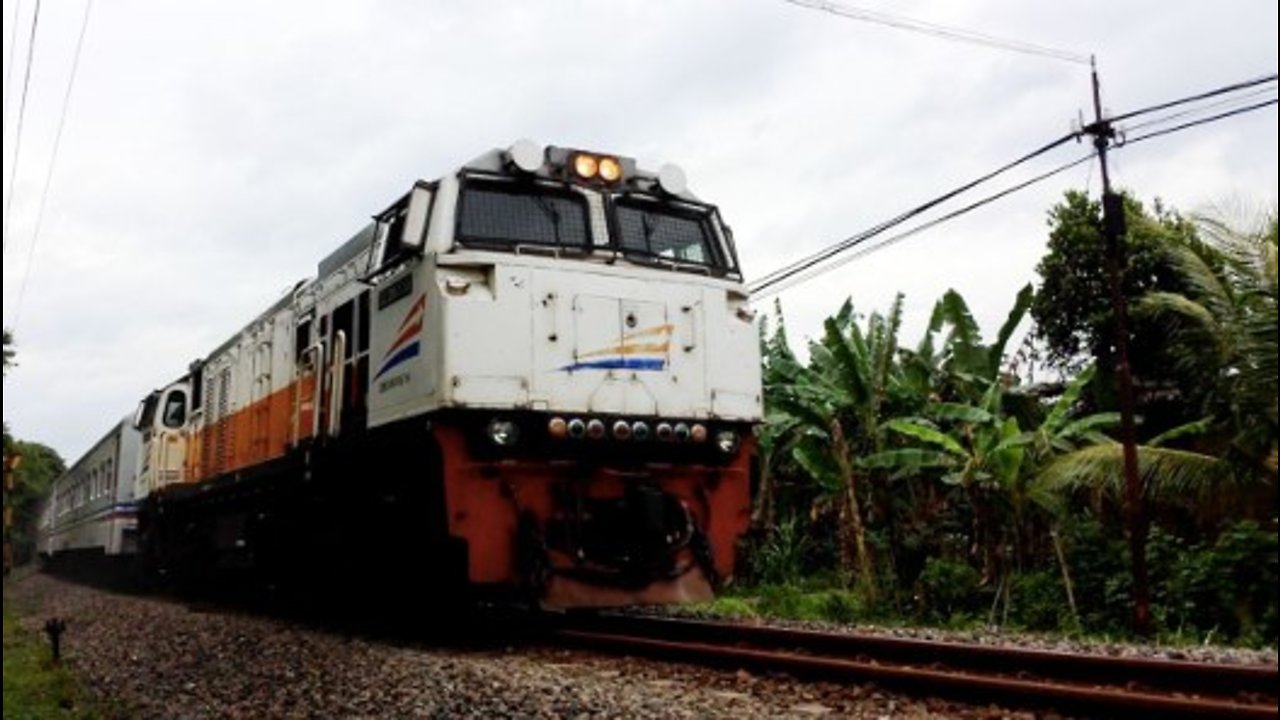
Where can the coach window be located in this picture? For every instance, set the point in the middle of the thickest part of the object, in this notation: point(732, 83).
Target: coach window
point(175, 409)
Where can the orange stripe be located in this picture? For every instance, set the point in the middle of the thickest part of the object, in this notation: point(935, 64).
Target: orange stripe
point(656, 330)
point(632, 349)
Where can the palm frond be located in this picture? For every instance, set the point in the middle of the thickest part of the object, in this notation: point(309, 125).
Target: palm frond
point(1164, 473)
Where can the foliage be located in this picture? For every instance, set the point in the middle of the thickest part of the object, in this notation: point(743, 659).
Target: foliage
point(8, 350)
point(34, 688)
point(779, 557)
point(947, 590)
point(1072, 309)
point(1221, 337)
point(41, 465)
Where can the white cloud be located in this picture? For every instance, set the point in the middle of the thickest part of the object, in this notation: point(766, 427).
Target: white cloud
point(216, 150)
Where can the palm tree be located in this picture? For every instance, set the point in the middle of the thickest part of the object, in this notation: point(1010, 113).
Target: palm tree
point(1222, 336)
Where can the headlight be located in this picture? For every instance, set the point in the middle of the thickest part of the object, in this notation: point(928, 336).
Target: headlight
point(585, 166)
point(727, 441)
point(503, 433)
point(610, 170)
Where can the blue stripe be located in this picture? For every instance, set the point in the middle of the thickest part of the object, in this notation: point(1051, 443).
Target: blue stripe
point(408, 351)
point(619, 364)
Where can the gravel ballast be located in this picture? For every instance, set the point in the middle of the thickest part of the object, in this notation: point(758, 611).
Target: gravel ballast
point(158, 657)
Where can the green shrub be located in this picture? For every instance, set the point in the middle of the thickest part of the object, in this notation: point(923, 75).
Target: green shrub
point(778, 558)
point(948, 589)
point(1037, 601)
point(1225, 588)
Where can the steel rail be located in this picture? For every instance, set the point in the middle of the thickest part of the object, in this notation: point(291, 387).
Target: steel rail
point(1089, 683)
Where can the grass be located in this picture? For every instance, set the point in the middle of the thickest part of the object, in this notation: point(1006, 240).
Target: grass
point(35, 688)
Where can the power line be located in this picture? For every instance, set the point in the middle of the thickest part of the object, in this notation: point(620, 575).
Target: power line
point(1200, 121)
point(894, 239)
point(17, 141)
point(8, 74)
point(803, 264)
point(53, 161)
point(781, 275)
point(1193, 111)
point(1193, 98)
point(942, 31)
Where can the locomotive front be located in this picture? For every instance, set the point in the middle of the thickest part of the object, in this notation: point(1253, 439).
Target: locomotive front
point(573, 334)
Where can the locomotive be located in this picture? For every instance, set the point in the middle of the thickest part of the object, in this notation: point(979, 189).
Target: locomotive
point(535, 377)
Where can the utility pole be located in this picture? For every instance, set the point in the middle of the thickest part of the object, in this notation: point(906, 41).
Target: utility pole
point(1113, 228)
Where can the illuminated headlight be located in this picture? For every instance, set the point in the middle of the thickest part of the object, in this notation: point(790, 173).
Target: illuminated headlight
point(727, 441)
point(640, 430)
point(610, 169)
point(595, 429)
point(503, 433)
point(586, 166)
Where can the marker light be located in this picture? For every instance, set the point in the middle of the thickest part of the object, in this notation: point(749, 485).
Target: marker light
point(586, 166)
point(640, 430)
point(610, 169)
point(664, 431)
point(621, 430)
point(595, 429)
point(577, 428)
point(558, 428)
point(682, 432)
point(698, 433)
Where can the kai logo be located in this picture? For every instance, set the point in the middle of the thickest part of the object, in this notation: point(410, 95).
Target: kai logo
point(407, 343)
point(644, 349)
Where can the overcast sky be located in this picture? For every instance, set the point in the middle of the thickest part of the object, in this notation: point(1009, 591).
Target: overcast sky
point(214, 151)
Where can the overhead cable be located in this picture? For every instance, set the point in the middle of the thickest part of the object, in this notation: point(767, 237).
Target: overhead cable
point(920, 228)
point(835, 249)
point(53, 161)
point(803, 270)
point(17, 141)
point(1193, 98)
point(942, 31)
point(1200, 121)
point(8, 74)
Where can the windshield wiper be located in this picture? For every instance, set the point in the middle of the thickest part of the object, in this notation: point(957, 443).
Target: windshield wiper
point(552, 213)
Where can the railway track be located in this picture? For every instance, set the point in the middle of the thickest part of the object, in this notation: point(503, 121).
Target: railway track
point(1086, 684)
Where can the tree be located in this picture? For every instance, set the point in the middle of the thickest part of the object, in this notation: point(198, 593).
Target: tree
point(8, 350)
point(41, 465)
point(1072, 309)
point(832, 410)
point(1221, 337)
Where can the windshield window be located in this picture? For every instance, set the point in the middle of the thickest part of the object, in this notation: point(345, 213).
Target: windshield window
point(508, 215)
point(665, 232)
